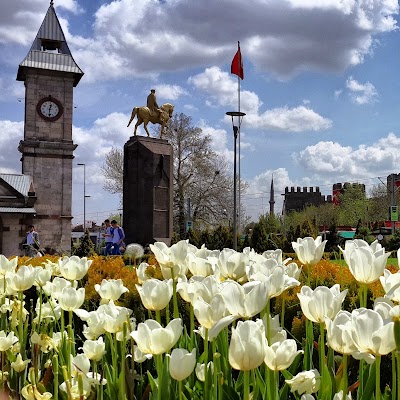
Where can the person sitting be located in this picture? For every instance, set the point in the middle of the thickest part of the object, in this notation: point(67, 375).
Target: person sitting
point(152, 104)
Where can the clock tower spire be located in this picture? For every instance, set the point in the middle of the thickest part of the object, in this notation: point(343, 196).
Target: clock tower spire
point(50, 74)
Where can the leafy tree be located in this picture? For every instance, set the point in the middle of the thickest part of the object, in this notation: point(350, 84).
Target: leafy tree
point(85, 247)
point(353, 205)
point(259, 240)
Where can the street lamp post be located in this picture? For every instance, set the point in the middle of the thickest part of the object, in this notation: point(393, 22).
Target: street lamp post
point(236, 132)
point(84, 196)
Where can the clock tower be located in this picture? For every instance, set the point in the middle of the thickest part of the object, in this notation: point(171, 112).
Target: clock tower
point(50, 74)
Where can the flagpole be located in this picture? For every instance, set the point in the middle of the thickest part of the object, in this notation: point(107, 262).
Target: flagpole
point(238, 78)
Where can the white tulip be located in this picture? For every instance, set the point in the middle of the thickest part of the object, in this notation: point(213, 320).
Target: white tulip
point(245, 301)
point(340, 396)
point(155, 294)
point(171, 259)
point(74, 268)
point(322, 302)
point(202, 266)
point(308, 250)
point(141, 272)
point(391, 284)
point(371, 335)
point(201, 370)
point(110, 289)
point(305, 382)
point(232, 264)
point(19, 364)
point(50, 310)
point(113, 317)
point(139, 356)
point(71, 299)
point(152, 338)
point(22, 279)
point(181, 363)
point(94, 349)
point(7, 265)
point(42, 276)
point(339, 333)
point(208, 314)
point(366, 262)
point(247, 346)
point(55, 287)
point(277, 280)
point(280, 355)
point(7, 340)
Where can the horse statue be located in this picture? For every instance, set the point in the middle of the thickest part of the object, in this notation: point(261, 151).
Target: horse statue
point(145, 116)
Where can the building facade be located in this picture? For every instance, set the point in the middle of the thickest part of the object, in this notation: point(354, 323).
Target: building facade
point(50, 74)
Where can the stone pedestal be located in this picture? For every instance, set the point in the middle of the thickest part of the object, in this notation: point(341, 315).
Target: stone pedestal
point(148, 188)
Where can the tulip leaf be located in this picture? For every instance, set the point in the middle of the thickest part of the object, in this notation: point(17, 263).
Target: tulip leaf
point(229, 393)
point(369, 386)
point(153, 385)
point(325, 391)
point(259, 383)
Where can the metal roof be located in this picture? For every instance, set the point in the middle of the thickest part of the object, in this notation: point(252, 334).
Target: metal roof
point(59, 59)
point(19, 182)
point(51, 61)
point(22, 210)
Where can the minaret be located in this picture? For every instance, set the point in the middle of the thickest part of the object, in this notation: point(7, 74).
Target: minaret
point(50, 74)
point(272, 198)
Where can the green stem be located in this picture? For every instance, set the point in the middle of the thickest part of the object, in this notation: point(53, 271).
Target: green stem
point(321, 348)
point(398, 372)
point(378, 378)
point(180, 389)
point(175, 298)
point(363, 295)
point(21, 324)
point(394, 380)
point(159, 367)
point(345, 378)
point(246, 385)
point(55, 377)
point(206, 382)
point(309, 346)
point(283, 309)
point(158, 316)
point(215, 375)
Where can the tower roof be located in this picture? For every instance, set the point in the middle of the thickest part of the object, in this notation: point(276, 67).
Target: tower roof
point(50, 50)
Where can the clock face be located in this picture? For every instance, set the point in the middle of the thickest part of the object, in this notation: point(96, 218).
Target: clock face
point(49, 109)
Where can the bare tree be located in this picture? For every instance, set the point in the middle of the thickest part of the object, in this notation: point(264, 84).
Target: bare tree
point(199, 175)
point(113, 171)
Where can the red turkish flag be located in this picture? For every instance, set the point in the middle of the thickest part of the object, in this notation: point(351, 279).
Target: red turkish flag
point(237, 65)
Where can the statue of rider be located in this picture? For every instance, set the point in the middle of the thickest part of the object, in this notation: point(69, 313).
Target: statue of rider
point(152, 104)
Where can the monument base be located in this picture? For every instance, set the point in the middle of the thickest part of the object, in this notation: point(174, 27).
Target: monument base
point(147, 191)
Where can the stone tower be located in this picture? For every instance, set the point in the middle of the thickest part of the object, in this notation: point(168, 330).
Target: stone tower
point(50, 74)
point(272, 198)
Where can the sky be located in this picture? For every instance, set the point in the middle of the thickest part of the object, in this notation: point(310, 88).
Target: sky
point(320, 90)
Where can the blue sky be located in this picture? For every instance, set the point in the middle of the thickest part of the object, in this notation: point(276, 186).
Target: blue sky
point(321, 88)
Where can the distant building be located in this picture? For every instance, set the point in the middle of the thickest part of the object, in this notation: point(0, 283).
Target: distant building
point(297, 200)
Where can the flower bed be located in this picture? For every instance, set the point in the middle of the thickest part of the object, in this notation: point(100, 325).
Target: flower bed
point(201, 324)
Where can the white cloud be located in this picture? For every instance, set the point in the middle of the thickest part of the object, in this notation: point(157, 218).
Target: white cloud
point(222, 88)
point(327, 158)
point(361, 93)
point(280, 38)
point(297, 119)
point(169, 92)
